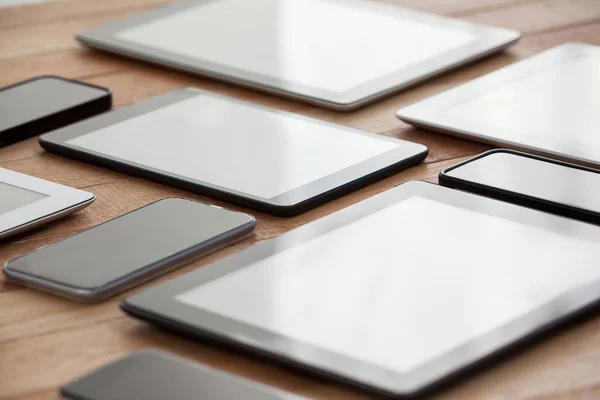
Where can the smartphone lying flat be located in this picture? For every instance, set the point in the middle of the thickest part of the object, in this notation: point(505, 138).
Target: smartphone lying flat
point(46, 103)
point(109, 258)
point(157, 375)
point(531, 181)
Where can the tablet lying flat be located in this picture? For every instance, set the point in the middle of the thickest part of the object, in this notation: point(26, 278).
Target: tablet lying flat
point(26, 202)
point(259, 157)
point(335, 53)
point(395, 293)
point(547, 104)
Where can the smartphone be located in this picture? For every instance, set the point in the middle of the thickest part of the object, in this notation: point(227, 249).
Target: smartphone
point(109, 258)
point(532, 181)
point(157, 375)
point(46, 103)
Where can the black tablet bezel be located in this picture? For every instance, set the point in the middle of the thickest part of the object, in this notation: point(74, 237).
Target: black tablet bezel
point(566, 210)
point(290, 203)
point(489, 40)
point(158, 305)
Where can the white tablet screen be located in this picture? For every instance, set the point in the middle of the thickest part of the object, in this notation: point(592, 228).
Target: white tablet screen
point(330, 45)
point(234, 145)
point(13, 197)
point(559, 102)
point(402, 286)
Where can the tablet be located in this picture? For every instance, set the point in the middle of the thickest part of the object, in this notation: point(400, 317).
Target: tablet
point(339, 54)
point(270, 160)
point(396, 293)
point(26, 202)
point(546, 104)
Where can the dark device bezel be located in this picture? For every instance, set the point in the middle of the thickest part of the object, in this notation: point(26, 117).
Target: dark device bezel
point(565, 210)
point(58, 119)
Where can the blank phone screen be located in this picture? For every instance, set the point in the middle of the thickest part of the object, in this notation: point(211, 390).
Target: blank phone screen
point(36, 99)
point(126, 244)
point(543, 180)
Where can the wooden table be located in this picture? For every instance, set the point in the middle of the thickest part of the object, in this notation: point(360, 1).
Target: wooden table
point(46, 341)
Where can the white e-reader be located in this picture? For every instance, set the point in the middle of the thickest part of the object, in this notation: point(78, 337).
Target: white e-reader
point(546, 104)
point(26, 202)
point(339, 54)
point(259, 157)
point(396, 293)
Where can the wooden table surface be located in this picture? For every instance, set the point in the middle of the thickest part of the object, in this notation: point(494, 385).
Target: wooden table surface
point(46, 341)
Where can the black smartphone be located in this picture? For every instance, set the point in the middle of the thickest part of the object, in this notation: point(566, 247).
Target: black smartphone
point(157, 375)
point(46, 103)
point(532, 181)
point(109, 258)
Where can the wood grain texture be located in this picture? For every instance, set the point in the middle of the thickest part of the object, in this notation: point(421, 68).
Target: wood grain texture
point(39, 39)
point(78, 62)
point(550, 15)
point(46, 341)
point(65, 10)
point(54, 11)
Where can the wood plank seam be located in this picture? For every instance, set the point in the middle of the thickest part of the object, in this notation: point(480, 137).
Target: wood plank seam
point(36, 54)
point(567, 394)
point(58, 330)
point(74, 17)
point(107, 73)
point(33, 394)
point(126, 177)
point(579, 24)
point(492, 7)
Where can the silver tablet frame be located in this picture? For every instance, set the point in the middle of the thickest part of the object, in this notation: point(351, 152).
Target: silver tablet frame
point(491, 40)
point(61, 201)
point(429, 113)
